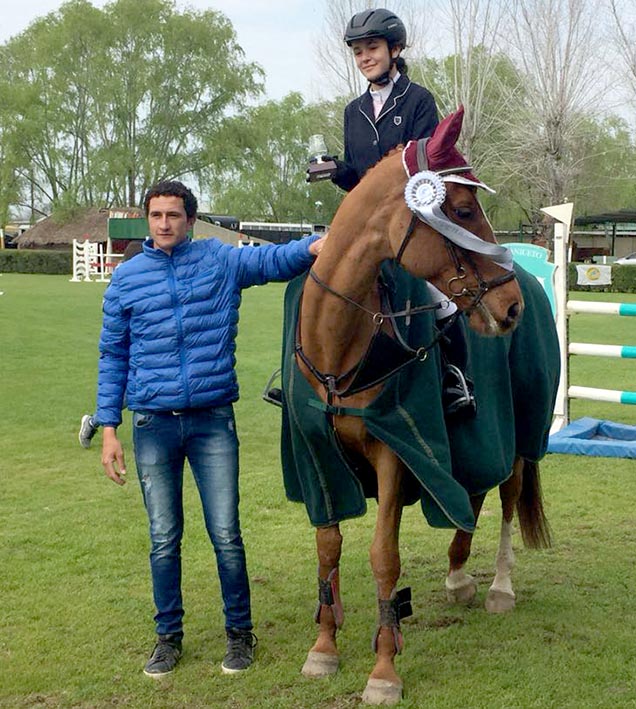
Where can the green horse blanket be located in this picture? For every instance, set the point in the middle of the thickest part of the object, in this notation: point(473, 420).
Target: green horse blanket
point(515, 377)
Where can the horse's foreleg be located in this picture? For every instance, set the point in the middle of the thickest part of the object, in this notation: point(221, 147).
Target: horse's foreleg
point(461, 587)
point(323, 658)
point(501, 597)
point(384, 685)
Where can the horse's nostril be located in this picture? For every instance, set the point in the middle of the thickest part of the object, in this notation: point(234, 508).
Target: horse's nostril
point(514, 311)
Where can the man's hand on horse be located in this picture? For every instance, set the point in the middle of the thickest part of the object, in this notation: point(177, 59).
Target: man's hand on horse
point(316, 247)
point(113, 456)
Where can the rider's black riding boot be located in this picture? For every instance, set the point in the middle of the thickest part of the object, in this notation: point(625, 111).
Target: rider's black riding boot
point(458, 396)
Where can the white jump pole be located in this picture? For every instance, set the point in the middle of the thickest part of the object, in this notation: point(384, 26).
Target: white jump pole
point(584, 348)
point(614, 396)
point(584, 306)
point(562, 213)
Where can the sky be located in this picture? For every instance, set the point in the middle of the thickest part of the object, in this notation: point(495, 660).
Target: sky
point(277, 34)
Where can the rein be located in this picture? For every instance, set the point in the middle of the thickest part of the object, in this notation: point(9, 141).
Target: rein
point(332, 382)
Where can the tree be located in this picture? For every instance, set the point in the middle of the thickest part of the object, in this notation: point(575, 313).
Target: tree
point(610, 157)
point(553, 45)
point(261, 168)
point(624, 21)
point(106, 102)
point(175, 77)
point(473, 69)
point(9, 182)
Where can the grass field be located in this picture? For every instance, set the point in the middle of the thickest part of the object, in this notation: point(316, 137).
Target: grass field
point(76, 614)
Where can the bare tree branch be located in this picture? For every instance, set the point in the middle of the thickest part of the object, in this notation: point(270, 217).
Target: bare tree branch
point(624, 17)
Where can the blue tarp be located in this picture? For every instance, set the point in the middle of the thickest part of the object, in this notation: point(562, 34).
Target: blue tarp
point(589, 436)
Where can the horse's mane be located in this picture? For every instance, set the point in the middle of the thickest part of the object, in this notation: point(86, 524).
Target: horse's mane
point(389, 153)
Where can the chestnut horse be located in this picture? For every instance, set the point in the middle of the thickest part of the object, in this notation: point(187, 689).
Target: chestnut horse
point(450, 244)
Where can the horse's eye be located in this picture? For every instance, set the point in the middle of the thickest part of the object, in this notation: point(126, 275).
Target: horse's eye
point(464, 212)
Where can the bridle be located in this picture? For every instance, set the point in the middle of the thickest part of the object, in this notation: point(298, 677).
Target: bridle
point(482, 286)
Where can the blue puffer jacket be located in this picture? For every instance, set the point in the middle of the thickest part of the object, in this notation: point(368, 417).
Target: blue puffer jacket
point(170, 323)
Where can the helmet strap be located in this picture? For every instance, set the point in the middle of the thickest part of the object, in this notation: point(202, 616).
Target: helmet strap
point(384, 79)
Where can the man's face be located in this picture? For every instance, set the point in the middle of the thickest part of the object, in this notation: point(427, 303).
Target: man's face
point(168, 222)
point(372, 57)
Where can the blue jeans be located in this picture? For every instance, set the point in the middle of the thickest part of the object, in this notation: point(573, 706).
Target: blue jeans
point(207, 438)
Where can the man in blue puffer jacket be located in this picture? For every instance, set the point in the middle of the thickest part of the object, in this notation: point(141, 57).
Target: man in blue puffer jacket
point(168, 346)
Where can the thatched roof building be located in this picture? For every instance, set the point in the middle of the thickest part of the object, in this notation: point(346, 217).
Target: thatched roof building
point(92, 224)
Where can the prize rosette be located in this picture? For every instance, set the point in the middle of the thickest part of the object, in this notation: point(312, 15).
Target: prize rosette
point(424, 189)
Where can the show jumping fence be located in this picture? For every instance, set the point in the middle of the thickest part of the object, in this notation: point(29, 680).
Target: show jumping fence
point(583, 348)
point(566, 308)
point(91, 262)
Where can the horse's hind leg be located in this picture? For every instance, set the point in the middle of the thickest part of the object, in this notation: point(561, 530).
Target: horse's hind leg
point(461, 587)
point(323, 657)
point(384, 686)
point(501, 597)
point(522, 491)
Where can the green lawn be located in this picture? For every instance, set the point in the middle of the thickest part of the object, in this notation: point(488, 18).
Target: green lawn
point(76, 613)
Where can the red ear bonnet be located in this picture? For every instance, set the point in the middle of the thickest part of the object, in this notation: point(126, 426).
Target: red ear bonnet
point(440, 149)
point(444, 157)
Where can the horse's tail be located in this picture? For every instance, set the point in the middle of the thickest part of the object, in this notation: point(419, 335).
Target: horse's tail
point(535, 530)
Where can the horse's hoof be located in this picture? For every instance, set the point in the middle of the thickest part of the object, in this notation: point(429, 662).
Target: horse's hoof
point(320, 664)
point(462, 595)
point(381, 691)
point(499, 602)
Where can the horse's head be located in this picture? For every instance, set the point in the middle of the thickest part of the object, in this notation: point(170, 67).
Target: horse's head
point(449, 240)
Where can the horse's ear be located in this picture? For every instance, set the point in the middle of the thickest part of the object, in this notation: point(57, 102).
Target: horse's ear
point(441, 153)
point(442, 143)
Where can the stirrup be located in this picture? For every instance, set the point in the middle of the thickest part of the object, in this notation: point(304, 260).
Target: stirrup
point(457, 397)
point(273, 395)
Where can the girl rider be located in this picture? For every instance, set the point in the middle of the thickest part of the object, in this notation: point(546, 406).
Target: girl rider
point(392, 111)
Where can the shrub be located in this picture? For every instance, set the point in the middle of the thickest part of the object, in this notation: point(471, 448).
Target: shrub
point(32, 261)
point(624, 279)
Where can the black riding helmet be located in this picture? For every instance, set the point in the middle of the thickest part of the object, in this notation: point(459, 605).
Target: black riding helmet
point(376, 23)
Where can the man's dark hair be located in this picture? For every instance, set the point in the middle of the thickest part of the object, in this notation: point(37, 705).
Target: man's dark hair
point(173, 188)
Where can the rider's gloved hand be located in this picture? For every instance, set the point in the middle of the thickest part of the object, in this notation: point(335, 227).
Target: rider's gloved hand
point(341, 166)
point(323, 158)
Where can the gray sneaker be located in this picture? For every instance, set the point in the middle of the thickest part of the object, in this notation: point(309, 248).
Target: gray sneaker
point(88, 428)
point(165, 656)
point(240, 651)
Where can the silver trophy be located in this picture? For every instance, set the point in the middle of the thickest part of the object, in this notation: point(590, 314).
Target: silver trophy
point(319, 169)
